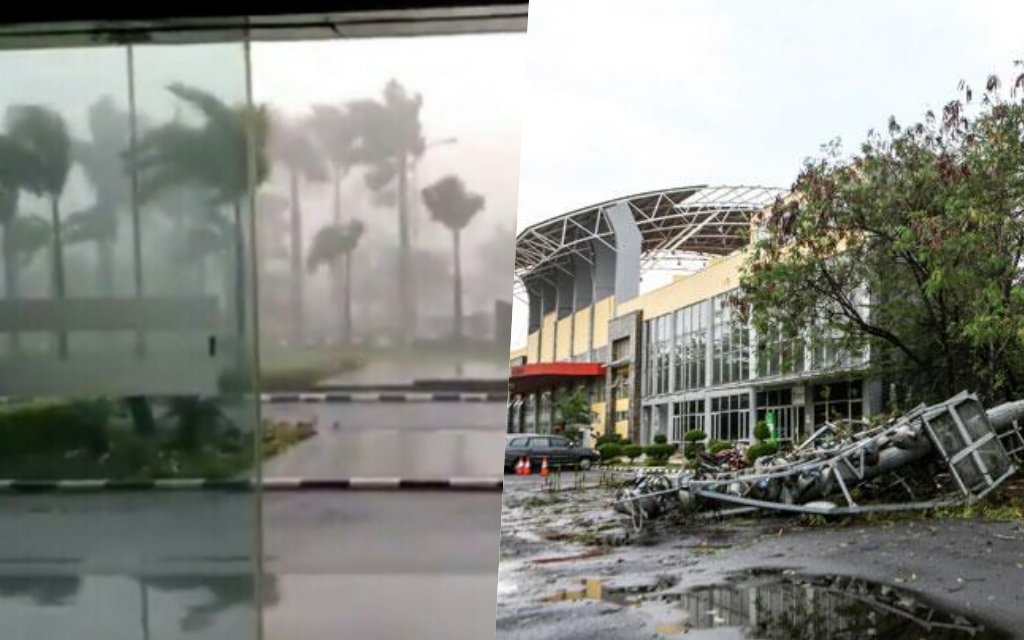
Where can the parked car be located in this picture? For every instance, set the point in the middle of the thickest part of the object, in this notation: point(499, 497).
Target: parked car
point(560, 451)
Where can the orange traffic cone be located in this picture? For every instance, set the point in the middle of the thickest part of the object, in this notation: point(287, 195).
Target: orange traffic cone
point(526, 468)
point(519, 466)
point(544, 466)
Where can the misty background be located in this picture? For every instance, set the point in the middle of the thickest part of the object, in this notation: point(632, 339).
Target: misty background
point(456, 101)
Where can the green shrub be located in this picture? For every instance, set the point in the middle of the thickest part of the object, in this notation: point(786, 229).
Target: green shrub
point(692, 449)
point(761, 432)
point(660, 438)
point(761, 449)
point(612, 437)
point(632, 451)
point(54, 427)
point(609, 451)
point(658, 453)
point(694, 435)
point(717, 446)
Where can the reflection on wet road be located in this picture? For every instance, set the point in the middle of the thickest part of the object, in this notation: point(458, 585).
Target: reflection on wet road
point(182, 564)
point(179, 565)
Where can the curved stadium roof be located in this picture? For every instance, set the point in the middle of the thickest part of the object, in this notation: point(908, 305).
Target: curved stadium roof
point(675, 224)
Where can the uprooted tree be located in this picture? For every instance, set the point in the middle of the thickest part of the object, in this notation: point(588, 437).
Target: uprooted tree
point(911, 248)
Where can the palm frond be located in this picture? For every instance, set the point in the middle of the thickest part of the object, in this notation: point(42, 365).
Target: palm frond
point(29, 235)
point(451, 204)
point(43, 133)
point(90, 225)
point(19, 167)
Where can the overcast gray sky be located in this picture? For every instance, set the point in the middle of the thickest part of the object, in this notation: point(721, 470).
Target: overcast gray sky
point(623, 97)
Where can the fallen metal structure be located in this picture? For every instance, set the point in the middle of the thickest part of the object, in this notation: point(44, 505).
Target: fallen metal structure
point(935, 456)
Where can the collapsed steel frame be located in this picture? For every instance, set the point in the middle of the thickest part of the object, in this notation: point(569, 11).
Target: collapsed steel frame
point(974, 450)
point(677, 226)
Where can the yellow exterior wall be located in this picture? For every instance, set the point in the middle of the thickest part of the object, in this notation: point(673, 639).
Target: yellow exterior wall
point(581, 335)
point(547, 339)
point(718, 277)
point(518, 353)
point(598, 409)
point(622, 428)
point(533, 348)
point(564, 345)
point(603, 310)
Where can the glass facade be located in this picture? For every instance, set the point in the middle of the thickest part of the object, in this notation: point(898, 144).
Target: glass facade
point(686, 416)
point(699, 348)
point(842, 400)
point(730, 417)
point(788, 418)
point(691, 347)
point(730, 341)
point(127, 350)
point(779, 354)
point(182, 222)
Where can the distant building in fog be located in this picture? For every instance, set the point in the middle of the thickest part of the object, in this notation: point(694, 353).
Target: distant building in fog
point(502, 321)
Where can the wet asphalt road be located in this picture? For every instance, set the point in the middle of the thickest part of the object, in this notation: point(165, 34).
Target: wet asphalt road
point(968, 567)
point(125, 566)
point(432, 440)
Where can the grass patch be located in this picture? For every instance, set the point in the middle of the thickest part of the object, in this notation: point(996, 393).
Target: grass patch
point(54, 440)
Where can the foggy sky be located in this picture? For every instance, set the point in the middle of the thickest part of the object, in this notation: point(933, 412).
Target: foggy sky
point(624, 97)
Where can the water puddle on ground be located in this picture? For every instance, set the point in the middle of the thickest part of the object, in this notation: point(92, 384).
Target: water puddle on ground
point(770, 604)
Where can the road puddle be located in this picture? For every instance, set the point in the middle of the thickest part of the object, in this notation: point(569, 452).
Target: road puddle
point(780, 604)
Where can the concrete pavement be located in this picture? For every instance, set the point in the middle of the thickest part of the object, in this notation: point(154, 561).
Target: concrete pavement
point(428, 441)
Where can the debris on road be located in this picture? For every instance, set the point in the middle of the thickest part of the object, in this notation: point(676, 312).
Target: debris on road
point(935, 456)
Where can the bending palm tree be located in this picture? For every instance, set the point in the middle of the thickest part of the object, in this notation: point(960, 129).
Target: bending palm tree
point(390, 136)
point(43, 135)
point(331, 244)
point(450, 204)
point(292, 147)
point(23, 238)
point(336, 133)
point(99, 157)
point(213, 157)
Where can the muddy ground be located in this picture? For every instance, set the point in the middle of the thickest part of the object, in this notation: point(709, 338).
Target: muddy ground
point(569, 570)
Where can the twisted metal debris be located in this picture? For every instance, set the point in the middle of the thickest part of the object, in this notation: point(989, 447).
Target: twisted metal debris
point(935, 456)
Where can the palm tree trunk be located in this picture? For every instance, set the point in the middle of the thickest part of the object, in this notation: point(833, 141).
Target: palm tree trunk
point(59, 286)
point(11, 278)
point(104, 268)
point(405, 287)
point(337, 195)
point(348, 299)
point(458, 288)
point(297, 299)
point(458, 302)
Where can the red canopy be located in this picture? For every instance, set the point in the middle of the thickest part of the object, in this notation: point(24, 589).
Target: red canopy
point(547, 375)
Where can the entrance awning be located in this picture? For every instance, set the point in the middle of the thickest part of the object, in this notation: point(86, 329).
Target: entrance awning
point(548, 375)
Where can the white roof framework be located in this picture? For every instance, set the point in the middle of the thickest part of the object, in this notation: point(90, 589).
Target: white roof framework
point(677, 226)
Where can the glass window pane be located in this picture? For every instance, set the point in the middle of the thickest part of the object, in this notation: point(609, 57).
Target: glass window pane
point(135, 355)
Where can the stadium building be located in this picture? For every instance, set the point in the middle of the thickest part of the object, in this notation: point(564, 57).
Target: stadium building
point(677, 357)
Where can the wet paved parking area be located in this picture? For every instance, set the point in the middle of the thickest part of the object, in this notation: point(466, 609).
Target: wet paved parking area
point(359, 565)
point(569, 571)
point(179, 565)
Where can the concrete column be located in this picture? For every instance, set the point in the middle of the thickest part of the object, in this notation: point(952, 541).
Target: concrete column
point(604, 271)
point(627, 251)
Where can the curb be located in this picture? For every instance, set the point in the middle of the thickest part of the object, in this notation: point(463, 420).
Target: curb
point(341, 398)
point(267, 484)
